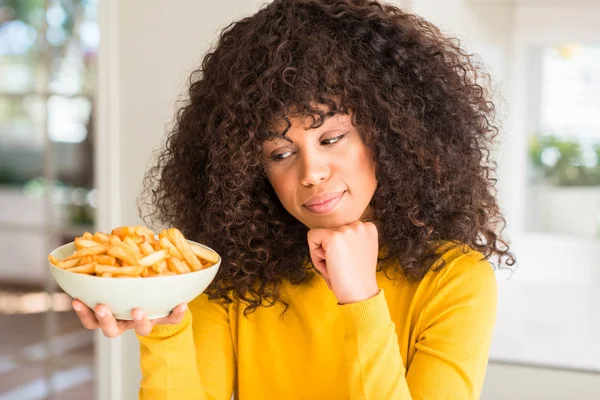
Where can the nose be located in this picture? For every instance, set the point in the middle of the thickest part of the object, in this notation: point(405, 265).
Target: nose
point(313, 170)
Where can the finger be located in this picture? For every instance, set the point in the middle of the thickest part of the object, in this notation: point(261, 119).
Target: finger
point(177, 314)
point(175, 317)
point(107, 321)
point(370, 225)
point(142, 324)
point(372, 229)
point(124, 325)
point(315, 238)
point(321, 266)
point(319, 262)
point(85, 315)
point(317, 255)
point(319, 252)
point(325, 275)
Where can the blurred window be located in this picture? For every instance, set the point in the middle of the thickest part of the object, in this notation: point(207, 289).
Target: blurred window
point(48, 51)
point(564, 145)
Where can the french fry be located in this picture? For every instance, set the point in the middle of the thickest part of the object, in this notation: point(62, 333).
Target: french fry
point(165, 243)
point(84, 269)
point(66, 264)
point(184, 248)
point(132, 245)
point(153, 258)
point(143, 231)
point(101, 237)
point(124, 253)
point(160, 266)
point(86, 251)
point(137, 239)
point(123, 231)
point(53, 260)
point(81, 243)
point(152, 272)
point(106, 260)
point(146, 248)
point(135, 252)
point(205, 254)
point(114, 240)
point(146, 233)
point(86, 260)
point(130, 271)
point(176, 265)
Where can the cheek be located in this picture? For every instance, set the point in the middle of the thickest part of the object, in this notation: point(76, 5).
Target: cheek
point(283, 186)
point(365, 169)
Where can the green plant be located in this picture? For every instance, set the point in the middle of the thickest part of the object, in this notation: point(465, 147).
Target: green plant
point(560, 161)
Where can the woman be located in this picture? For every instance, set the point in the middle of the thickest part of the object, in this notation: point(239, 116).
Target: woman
point(336, 155)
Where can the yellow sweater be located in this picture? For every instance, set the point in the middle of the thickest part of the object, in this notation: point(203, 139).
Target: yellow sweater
point(426, 340)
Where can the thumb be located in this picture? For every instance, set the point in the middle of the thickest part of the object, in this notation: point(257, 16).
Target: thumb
point(317, 256)
point(318, 260)
point(315, 239)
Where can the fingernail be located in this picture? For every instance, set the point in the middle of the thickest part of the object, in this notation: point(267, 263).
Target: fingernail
point(101, 313)
point(184, 307)
point(77, 307)
point(137, 317)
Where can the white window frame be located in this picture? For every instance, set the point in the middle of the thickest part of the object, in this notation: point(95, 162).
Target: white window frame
point(109, 367)
point(548, 263)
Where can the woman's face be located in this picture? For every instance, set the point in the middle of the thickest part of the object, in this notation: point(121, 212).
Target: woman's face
point(324, 177)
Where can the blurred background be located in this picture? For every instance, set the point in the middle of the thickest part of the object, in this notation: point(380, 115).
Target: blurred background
point(87, 92)
point(48, 81)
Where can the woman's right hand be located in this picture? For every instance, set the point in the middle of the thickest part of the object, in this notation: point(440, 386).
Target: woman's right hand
point(101, 317)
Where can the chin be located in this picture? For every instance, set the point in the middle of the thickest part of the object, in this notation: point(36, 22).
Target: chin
point(330, 221)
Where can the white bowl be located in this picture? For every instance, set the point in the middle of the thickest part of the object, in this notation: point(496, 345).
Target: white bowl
point(157, 296)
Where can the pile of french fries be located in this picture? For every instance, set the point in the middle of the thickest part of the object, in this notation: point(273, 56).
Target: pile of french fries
point(135, 251)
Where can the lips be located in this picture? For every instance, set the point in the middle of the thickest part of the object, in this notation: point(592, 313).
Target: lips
point(324, 203)
point(322, 198)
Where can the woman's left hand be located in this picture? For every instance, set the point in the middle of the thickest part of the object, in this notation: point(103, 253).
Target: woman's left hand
point(346, 257)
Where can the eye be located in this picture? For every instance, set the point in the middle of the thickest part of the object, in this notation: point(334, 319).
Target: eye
point(280, 156)
point(333, 140)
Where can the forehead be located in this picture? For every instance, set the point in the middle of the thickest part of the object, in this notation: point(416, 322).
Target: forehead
point(306, 122)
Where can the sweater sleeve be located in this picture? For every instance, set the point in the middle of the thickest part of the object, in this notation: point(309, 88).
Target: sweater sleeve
point(452, 346)
point(192, 360)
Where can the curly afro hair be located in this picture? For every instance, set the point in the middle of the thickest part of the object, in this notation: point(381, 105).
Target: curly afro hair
point(419, 103)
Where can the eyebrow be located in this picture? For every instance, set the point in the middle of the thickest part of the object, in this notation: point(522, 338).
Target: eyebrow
point(325, 118)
